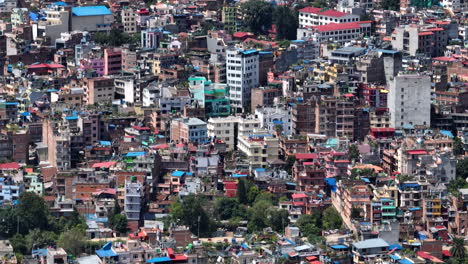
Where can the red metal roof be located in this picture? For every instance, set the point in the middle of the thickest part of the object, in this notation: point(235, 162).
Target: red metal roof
point(425, 33)
point(45, 65)
point(301, 156)
point(321, 11)
point(417, 152)
point(382, 129)
point(299, 195)
point(9, 166)
point(242, 34)
point(447, 59)
point(104, 164)
point(339, 26)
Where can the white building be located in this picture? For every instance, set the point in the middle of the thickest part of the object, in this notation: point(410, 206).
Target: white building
point(259, 149)
point(242, 68)
point(272, 117)
point(409, 101)
point(133, 199)
point(225, 129)
point(333, 32)
point(125, 90)
point(455, 5)
point(6, 6)
point(56, 21)
point(312, 16)
point(19, 16)
point(129, 20)
point(248, 126)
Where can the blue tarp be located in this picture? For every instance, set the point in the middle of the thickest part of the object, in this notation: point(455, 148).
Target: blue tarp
point(409, 185)
point(260, 169)
point(395, 246)
point(239, 175)
point(178, 173)
point(135, 154)
point(277, 122)
point(33, 16)
point(40, 252)
point(71, 118)
point(404, 261)
point(415, 209)
point(244, 246)
point(290, 242)
point(332, 183)
point(291, 183)
point(104, 143)
point(158, 260)
point(447, 133)
point(106, 251)
point(336, 247)
point(366, 180)
point(25, 114)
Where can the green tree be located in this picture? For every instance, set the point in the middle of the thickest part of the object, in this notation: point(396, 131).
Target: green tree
point(119, 223)
point(278, 219)
point(286, 22)
point(310, 224)
point(40, 239)
point(258, 216)
point(257, 15)
point(390, 5)
point(458, 147)
point(462, 168)
point(20, 245)
point(290, 163)
point(353, 153)
point(227, 208)
point(7, 222)
point(73, 240)
point(331, 219)
point(458, 249)
point(189, 211)
point(241, 192)
point(32, 212)
point(267, 197)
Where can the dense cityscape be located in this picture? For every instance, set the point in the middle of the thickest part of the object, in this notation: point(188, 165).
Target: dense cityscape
point(234, 131)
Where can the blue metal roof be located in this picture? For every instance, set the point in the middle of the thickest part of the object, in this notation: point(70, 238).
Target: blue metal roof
point(447, 133)
point(239, 175)
point(135, 154)
point(260, 169)
point(158, 260)
point(71, 118)
point(248, 52)
point(394, 257)
point(178, 173)
point(106, 251)
point(395, 246)
point(404, 261)
point(90, 11)
point(104, 143)
point(339, 247)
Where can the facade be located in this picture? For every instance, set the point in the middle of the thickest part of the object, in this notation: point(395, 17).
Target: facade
point(409, 101)
point(242, 68)
point(7, 6)
point(259, 149)
point(189, 130)
point(428, 40)
point(312, 16)
point(19, 16)
point(112, 61)
point(225, 129)
point(341, 33)
point(91, 18)
point(98, 90)
point(129, 20)
point(275, 119)
point(133, 200)
point(213, 97)
point(151, 38)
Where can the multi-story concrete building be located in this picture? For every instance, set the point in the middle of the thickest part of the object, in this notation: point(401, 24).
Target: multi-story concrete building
point(275, 119)
point(91, 18)
point(112, 61)
point(259, 149)
point(125, 89)
point(9, 190)
point(264, 96)
point(57, 21)
point(313, 16)
point(19, 16)
point(133, 199)
point(248, 125)
point(230, 19)
point(189, 130)
point(225, 129)
point(412, 40)
point(6, 6)
point(151, 38)
point(242, 68)
point(341, 33)
point(211, 96)
point(97, 90)
point(129, 20)
point(303, 117)
point(409, 101)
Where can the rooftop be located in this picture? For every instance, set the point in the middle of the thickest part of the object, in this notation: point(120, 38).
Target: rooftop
point(91, 11)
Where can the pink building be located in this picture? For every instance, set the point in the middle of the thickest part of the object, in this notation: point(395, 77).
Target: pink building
point(336, 164)
point(112, 61)
point(96, 65)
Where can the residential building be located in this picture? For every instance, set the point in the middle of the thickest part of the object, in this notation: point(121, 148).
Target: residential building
point(275, 119)
point(259, 149)
point(225, 129)
point(188, 130)
point(409, 101)
point(340, 33)
point(211, 96)
point(19, 17)
point(97, 90)
point(370, 248)
point(151, 38)
point(242, 68)
point(129, 20)
point(133, 199)
point(313, 16)
point(304, 117)
point(412, 40)
point(7, 6)
point(264, 96)
point(9, 190)
point(112, 61)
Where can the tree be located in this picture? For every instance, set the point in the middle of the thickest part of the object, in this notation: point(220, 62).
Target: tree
point(458, 249)
point(119, 223)
point(241, 192)
point(286, 22)
point(331, 219)
point(290, 163)
point(40, 239)
point(7, 222)
point(227, 208)
point(32, 212)
point(189, 211)
point(462, 168)
point(73, 240)
point(353, 153)
point(258, 215)
point(310, 224)
point(19, 244)
point(458, 147)
point(278, 219)
point(390, 5)
point(257, 15)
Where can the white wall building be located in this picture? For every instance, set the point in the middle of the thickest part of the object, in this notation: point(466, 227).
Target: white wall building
point(409, 101)
point(225, 129)
point(56, 22)
point(248, 126)
point(133, 198)
point(313, 16)
point(271, 117)
point(242, 68)
point(259, 149)
point(6, 6)
point(341, 33)
point(125, 89)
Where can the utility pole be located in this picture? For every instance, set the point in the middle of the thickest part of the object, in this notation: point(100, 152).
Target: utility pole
point(199, 227)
